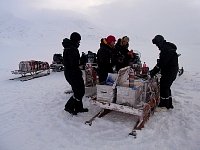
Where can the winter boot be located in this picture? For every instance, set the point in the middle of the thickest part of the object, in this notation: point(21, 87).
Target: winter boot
point(79, 107)
point(170, 104)
point(70, 106)
point(162, 103)
point(162, 106)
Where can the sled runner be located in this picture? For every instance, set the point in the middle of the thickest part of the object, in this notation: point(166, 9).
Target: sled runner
point(31, 69)
point(137, 96)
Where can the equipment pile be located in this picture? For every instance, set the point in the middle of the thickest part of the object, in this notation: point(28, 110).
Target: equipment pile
point(31, 69)
point(129, 91)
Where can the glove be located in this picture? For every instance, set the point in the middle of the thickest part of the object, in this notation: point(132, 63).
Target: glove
point(154, 71)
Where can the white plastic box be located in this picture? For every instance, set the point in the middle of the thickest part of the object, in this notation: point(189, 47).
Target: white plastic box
point(105, 93)
point(129, 96)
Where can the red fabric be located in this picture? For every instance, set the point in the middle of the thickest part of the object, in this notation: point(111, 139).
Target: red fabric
point(110, 39)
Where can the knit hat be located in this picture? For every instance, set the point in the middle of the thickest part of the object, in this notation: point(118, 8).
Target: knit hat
point(158, 39)
point(110, 39)
point(125, 38)
point(75, 37)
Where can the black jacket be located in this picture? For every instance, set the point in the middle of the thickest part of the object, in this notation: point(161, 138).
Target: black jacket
point(168, 61)
point(104, 56)
point(71, 57)
point(122, 51)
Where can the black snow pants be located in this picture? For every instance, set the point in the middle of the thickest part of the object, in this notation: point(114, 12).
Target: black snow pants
point(102, 76)
point(165, 92)
point(76, 81)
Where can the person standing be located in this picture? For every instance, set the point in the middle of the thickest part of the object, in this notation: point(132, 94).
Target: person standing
point(167, 64)
point(73, 74)
point(122, 58)
point(104, 56)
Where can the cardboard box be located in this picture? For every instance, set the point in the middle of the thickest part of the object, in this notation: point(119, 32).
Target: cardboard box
point(123, 77)
point(139, 82)
point(106, 93)
point(129, 96)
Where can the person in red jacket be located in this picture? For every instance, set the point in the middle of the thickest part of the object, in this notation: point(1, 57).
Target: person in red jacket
point(104, 56)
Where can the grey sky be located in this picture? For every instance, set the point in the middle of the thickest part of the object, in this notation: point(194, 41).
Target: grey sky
point(177, 20)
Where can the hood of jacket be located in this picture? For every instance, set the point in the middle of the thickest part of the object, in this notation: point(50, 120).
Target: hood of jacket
point(68, 43)
point(167, 47)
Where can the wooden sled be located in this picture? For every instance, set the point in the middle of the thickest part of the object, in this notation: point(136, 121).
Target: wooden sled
point(142, 110)
point(30, 70)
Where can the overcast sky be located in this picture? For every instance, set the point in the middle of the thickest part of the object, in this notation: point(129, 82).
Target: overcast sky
point(141, 18)
point(177, 20)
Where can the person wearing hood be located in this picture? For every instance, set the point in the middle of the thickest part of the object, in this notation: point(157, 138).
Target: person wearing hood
point(122, 58)
point(73, 73)
point(104, 56)
point(167, 65)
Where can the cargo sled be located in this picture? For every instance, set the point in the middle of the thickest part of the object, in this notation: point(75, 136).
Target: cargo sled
point(131, 92)
point(57, 63)
point(31, 69)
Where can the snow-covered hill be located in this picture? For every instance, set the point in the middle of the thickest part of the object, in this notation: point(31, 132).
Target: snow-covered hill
point(40, 36)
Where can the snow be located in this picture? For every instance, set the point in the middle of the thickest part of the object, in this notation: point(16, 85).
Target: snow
point(32, 117)
point(31, 112)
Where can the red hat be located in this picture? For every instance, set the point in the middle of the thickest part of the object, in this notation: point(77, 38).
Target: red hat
point(110, 39)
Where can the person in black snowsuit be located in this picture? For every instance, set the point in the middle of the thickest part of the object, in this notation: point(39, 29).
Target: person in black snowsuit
point(73, 74)
point(167, 64)
point(104, 56)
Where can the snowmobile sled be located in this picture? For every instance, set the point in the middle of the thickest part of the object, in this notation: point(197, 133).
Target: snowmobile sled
point(57, 63)
point(131, 92)
point(31, 69)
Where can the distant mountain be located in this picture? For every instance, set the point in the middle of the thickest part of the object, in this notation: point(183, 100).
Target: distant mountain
point(39, 36)
point(45, 27)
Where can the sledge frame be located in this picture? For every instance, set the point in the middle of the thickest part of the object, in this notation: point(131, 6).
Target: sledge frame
point(142, 112)
point(28, 75)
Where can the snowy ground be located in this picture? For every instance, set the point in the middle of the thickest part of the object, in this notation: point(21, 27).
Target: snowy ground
point(32, 118)
point(31, 112)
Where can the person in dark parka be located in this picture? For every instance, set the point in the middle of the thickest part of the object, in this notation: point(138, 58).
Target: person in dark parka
point(104, 56)
point(122, 50)
point(73, 74)
point(167, 64)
